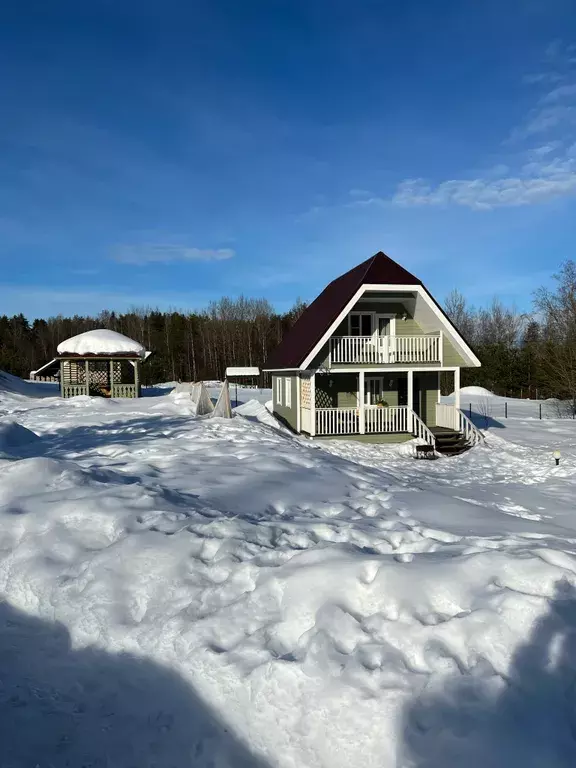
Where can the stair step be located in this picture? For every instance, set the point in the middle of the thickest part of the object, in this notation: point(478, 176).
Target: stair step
point(449, 442)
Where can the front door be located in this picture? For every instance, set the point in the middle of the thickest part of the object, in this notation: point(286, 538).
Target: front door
point(402, 389)
point(372, 390)
point(417, 396)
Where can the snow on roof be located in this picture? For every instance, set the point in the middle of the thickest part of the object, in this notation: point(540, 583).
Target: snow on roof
point(101, 342)
point(235, 371)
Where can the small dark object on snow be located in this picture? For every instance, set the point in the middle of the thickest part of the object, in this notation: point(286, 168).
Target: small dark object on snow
point(425, 452)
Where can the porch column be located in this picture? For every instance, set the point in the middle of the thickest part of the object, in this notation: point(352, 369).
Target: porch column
point(410, 375)
point(457, 387)
point(313, 405)
point(439, 400)
point(361, 411)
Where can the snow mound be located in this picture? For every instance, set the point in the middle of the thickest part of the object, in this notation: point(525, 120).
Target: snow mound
point(476, 392)
point(100, 342)
point(13, 384)
point(14, 435)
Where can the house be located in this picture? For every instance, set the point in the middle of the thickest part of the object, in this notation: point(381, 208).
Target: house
point(364, 361)
point(99, 362)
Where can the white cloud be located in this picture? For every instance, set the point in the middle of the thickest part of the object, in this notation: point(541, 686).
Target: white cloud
point(562, 92)
point(535, 184)
point(167, 253)
point(550, 173)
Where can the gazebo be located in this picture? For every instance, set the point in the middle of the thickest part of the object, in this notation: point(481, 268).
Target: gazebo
point(100, 362)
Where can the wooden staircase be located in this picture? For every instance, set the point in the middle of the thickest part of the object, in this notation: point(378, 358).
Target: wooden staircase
point(449, 442)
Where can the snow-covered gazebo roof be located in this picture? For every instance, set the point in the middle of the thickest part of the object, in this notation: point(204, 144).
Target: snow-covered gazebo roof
point(102, 343)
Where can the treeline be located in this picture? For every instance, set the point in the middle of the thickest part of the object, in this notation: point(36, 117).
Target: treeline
point(523, 354)
point(186, 346)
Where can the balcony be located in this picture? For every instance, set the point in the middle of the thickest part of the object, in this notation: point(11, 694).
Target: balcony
point(386, 350)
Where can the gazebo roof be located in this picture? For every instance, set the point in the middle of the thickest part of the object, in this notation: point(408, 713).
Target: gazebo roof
point(101, 343)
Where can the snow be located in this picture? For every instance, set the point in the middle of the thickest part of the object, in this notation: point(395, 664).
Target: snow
point(100, 342)
point(189, 591)
point(475, 392)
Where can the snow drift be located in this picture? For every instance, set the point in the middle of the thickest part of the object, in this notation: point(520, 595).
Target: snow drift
point(475, 392)
point(183, 591)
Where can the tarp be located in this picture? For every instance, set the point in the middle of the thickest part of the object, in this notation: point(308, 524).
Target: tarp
point(195, 392)
point(204, 405)
point(223, 407)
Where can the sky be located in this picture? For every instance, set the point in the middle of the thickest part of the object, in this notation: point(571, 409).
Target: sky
point(166, 154)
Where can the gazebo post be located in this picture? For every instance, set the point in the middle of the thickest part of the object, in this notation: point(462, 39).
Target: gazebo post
point(111, 365)
point(137, 376)
point(87, 375)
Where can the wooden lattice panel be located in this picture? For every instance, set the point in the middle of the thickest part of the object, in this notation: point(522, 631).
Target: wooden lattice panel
point(99, 372)
point(305, 393)
point(73, 372)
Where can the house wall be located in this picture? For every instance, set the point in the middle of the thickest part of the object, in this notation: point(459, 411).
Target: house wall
point(429, 385)
point(288, 415)
point(337, 390)
point(408, 327)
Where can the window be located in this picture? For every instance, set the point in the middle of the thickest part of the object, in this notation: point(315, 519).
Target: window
point(278, 382)
point(288, 393)
point(360, 325)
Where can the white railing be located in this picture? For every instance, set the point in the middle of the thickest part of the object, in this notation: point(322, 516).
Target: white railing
point(386, 419)
point(421, 431)
point(377, 420)
point(416, 349)
point(447, 417)
point(337, 421)
point(450, 417)
point(385, 349)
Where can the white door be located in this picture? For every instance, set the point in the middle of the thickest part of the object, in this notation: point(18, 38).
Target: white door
point(372, 390)
point(383, 335)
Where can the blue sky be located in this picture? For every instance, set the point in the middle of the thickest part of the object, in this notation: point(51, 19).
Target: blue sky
point(165, 154)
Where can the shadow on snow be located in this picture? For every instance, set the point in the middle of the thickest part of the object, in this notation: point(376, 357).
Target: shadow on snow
point(67, 708)
point(524, 720)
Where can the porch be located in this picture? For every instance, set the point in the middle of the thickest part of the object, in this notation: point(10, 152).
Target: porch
point(398, 404)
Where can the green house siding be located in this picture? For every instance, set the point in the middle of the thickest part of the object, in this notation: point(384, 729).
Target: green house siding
point(287, 414)
point(337, 390)
point(451, 356)
point(428, 384)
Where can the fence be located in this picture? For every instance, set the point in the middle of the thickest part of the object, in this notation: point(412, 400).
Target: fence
point(485, 412)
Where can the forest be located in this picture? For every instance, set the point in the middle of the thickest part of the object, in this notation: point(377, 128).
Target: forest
point(523, 354)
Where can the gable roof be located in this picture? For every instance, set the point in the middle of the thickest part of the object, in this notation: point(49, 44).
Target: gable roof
point(320, 315)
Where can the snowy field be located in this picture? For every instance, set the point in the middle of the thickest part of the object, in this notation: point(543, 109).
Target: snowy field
point(182, 591)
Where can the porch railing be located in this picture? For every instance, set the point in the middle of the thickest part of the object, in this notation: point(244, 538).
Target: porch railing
point(377, 420)
point(337, 421)
point(450, 417)
point(385, 349)
point(392, 419)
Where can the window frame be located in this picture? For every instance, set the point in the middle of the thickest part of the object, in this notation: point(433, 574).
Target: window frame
point(288, 392)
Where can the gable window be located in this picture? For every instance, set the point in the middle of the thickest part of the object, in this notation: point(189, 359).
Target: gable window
point(360, 324)
point(288, 393)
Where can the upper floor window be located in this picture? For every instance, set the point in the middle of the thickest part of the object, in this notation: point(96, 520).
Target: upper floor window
point(371, 324)
point(360, 324)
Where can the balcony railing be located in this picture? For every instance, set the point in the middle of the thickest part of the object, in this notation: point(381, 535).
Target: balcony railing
point(385, 350)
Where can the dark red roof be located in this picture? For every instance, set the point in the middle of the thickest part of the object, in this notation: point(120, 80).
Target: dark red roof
point(319, 316)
